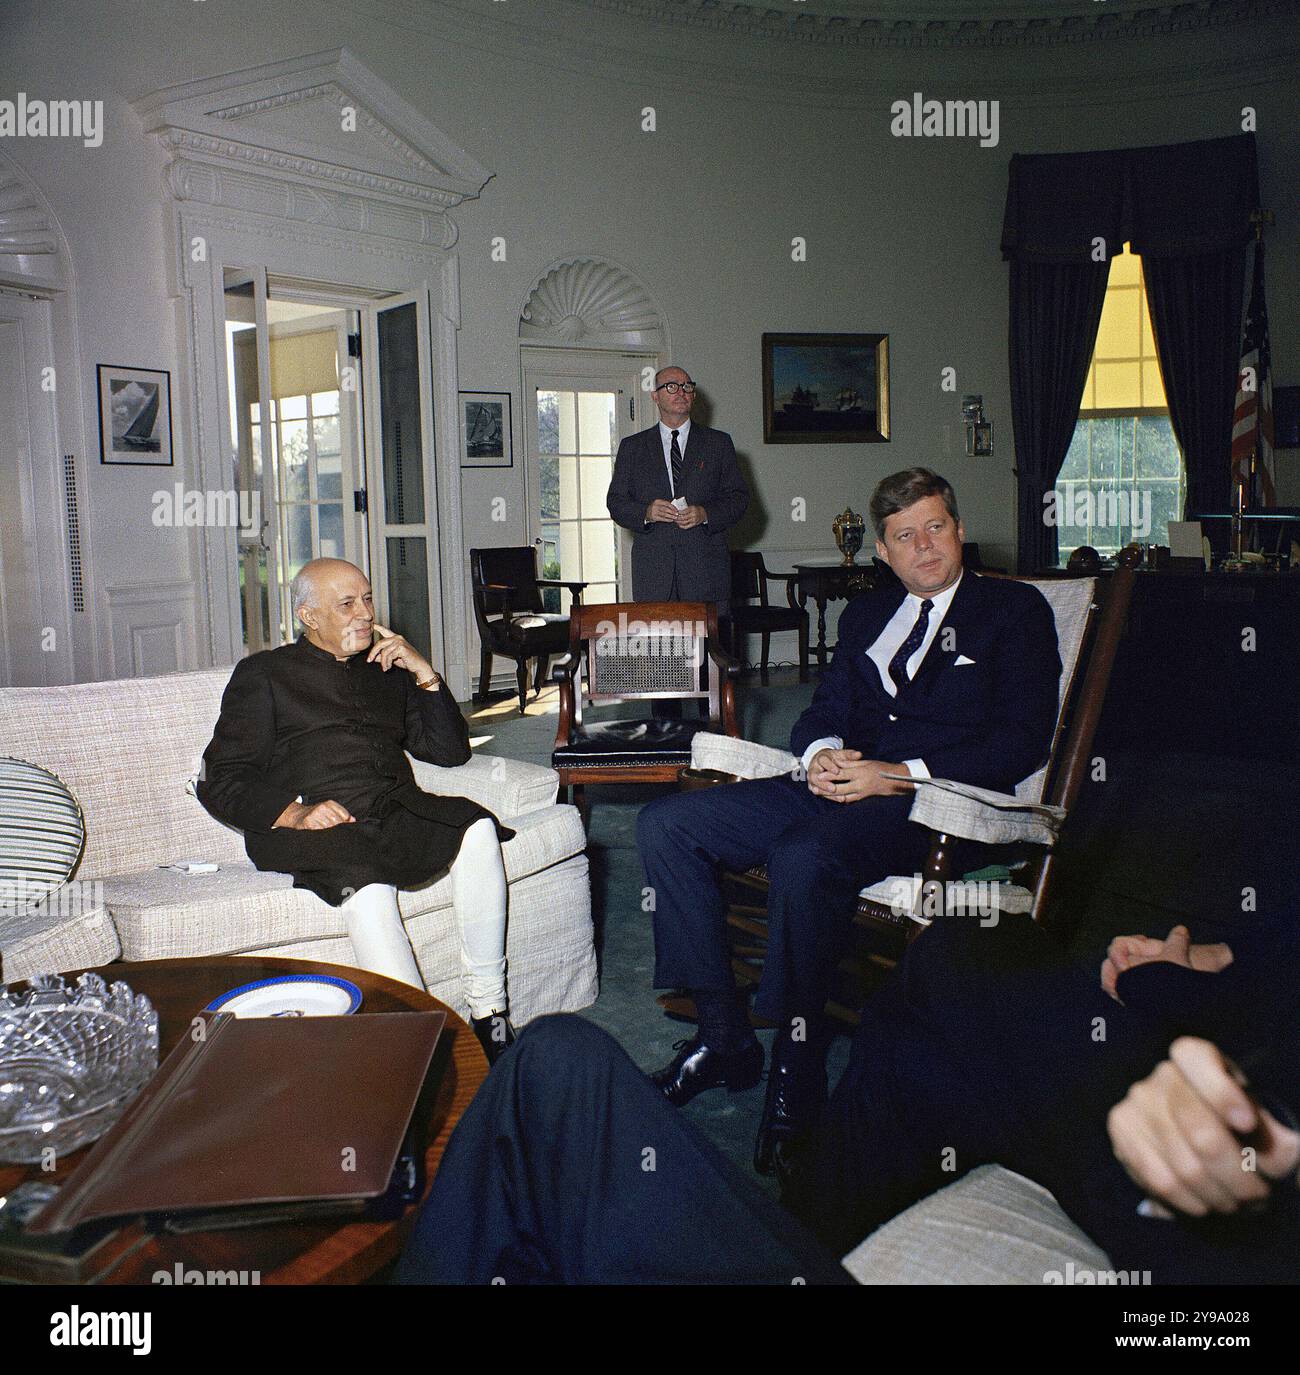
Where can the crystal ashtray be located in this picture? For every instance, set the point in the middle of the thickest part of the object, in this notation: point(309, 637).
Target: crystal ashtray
point(71, 1060)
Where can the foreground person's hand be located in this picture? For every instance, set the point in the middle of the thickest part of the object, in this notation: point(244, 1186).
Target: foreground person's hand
point(1179, 1134)
point(1127, 952)
point(317, 816)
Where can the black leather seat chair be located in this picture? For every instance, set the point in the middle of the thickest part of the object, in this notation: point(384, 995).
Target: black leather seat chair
point(749, 580)
point(511, 617)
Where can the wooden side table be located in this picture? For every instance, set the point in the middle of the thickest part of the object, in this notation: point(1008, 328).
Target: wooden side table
point(342, 1251)
point(830, 580)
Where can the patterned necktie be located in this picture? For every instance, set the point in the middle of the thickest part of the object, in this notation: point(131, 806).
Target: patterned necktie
point(677, 465)
point(898, 664)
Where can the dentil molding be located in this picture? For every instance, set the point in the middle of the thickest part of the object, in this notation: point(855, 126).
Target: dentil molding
point(885, 25)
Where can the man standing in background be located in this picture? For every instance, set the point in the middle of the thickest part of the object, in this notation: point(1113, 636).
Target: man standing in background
point(678, 489)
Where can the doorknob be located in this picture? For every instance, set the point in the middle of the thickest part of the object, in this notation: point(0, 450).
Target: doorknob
point(538, 541)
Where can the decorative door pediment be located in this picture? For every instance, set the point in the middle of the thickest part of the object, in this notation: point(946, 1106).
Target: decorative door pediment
point(319, 139)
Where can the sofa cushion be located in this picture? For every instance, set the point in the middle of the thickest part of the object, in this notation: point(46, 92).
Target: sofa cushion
point(53, 940)
point(551, 964)
point(989, 1227)
point(163, 914)
point(126, 749)
point(41, 836)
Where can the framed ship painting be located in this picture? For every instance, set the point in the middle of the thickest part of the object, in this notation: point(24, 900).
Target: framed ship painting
point(135, 416)
point(825, 388)
point(485, 429)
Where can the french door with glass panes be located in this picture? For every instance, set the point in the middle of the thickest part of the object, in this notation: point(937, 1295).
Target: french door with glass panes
point(334, 463)
point(295, 433)
point(578, 407)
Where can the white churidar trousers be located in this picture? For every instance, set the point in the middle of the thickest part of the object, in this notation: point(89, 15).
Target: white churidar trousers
point(478, 894)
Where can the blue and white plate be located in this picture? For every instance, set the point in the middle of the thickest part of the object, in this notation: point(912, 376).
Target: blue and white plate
point(291, 995)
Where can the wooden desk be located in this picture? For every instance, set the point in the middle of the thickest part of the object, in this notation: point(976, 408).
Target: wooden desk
point(337, 1252)
point(830, 580)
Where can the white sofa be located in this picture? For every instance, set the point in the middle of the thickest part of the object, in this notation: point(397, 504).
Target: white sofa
point(129, 751)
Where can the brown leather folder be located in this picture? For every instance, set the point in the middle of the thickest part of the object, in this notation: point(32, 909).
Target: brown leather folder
point(259, 1111)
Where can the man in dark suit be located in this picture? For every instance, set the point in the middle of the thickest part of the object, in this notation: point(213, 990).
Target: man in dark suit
point(941, 674)
point(677, 487)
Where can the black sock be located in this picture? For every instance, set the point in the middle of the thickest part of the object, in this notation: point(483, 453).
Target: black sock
point(724, 1027)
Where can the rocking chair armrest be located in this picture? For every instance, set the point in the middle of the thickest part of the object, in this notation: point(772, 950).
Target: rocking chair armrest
point(981, 814)
point(744, 758)
point(727, 663)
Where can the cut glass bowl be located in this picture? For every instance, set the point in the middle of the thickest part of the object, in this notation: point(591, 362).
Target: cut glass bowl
point(71, 1060)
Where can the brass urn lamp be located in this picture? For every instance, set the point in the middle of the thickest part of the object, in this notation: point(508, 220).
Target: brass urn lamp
point(849, 532)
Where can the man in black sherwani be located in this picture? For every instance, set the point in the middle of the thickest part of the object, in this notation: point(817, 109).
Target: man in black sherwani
point(309, 760)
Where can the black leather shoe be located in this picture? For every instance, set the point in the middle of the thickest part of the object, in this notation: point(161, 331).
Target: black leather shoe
point(696, 1067)
point(495, 1034)
point(796, 1093)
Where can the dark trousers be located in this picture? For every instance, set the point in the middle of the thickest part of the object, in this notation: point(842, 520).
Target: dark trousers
point(570, 1168)
point(819, 855)
point(982, 1047)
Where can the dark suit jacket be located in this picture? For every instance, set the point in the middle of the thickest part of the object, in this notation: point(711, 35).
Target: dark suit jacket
point(989, 722)
point(699, 557)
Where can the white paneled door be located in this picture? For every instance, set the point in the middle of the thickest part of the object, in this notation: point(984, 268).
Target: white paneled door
point(35, 623)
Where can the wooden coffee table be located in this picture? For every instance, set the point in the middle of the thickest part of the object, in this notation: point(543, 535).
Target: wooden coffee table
point(339, 1252)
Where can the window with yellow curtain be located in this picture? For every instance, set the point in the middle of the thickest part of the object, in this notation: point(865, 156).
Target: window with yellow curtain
point(1123, 478)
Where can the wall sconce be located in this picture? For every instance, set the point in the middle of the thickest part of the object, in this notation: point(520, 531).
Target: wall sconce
point(979, 432)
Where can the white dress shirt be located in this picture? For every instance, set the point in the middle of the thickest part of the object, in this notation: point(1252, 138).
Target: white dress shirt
point(882, 650)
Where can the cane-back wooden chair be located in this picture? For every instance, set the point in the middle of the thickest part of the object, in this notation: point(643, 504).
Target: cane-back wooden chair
point(638, 652)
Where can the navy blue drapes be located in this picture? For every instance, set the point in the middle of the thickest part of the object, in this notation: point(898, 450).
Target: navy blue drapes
point(1186, 209)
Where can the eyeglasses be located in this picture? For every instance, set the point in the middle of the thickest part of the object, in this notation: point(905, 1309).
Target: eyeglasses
point(672, 388)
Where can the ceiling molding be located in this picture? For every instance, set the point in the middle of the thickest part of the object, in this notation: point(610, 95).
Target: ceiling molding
point(844, 24)
point(589, 38)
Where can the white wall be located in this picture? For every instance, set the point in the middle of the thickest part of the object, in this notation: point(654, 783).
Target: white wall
point(758, 140)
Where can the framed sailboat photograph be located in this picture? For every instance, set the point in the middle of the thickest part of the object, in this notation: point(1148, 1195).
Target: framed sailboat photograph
point(135, 416)
point(485, 429)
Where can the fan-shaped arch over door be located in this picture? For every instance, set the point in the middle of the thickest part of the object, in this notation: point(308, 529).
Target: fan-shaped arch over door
point(588, 302)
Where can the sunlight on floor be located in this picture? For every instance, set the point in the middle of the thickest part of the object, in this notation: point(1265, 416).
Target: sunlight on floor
point(546, 703)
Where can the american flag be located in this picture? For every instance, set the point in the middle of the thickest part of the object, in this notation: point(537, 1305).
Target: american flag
point(1252, 421)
